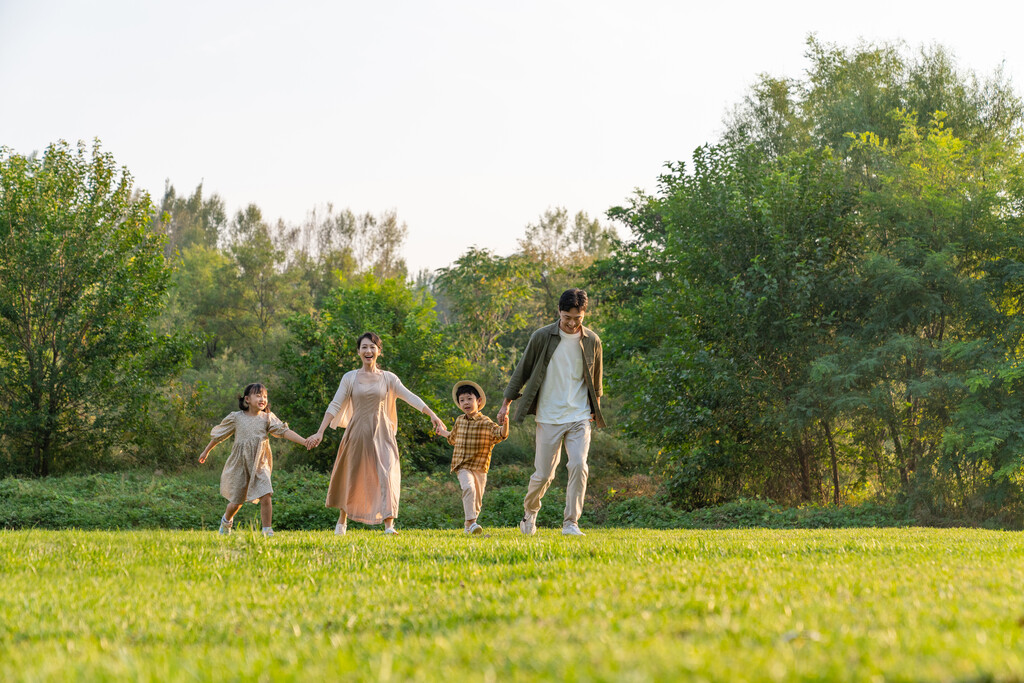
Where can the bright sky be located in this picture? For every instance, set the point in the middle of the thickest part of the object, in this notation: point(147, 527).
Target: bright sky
point(469, 118)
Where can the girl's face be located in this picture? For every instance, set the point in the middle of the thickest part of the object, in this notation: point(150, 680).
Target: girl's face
point(256, 400)
point(368, 352)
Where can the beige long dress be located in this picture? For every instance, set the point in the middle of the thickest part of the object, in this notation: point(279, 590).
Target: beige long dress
point(246, 474)
point(367, 476)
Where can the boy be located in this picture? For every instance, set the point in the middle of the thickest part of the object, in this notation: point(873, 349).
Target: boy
point(473, 436)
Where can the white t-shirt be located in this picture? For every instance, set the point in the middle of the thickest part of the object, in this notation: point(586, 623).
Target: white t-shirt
point(563, 394)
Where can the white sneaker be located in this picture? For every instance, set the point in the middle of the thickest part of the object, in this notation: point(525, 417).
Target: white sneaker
point(390, 531)
point(529, 524)
point(268, 531)
point(572, 529)
point(340, 528)
point(474, 529)
point(225, 526)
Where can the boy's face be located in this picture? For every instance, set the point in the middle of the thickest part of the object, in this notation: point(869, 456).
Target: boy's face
point(469, 403)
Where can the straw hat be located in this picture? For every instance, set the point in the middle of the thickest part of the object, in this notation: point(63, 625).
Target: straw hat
point(479, 390)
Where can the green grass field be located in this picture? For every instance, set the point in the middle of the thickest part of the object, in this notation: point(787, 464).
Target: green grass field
point(622, 605)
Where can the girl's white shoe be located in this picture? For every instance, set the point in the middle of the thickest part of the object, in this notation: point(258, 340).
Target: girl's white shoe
point(340, 528)
point(390, 531)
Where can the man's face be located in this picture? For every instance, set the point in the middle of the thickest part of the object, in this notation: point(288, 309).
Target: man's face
point(570, 321)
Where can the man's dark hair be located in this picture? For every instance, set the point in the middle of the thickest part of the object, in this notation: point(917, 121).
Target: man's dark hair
point(466, 389)
point(572, 298)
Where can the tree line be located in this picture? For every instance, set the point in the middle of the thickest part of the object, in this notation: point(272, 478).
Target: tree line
point(821, 307)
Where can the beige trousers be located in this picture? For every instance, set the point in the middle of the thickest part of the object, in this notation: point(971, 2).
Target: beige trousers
point(473, 484)
point(576, 436)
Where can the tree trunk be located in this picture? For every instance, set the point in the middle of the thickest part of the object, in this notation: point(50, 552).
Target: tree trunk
point(805, 469)
point(835, 461)
point(898, 447)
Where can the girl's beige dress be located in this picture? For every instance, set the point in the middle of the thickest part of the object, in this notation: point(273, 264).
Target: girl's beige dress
point(246, 474)
point(366, 479)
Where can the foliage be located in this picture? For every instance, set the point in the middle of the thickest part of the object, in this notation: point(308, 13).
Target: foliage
point(561, 252)
point(323, 348)
point(191, 500)
point(749, 265)
point(486, 299)
point(856, 89)
point(830, 296)
point(81, 277)
point(192, 221)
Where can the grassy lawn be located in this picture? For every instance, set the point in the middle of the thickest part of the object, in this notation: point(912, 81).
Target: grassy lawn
point(863, 604)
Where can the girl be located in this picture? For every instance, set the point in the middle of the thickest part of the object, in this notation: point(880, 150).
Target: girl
point(366, 480)
point(246, 474)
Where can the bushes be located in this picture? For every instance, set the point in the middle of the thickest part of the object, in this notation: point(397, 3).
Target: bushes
point(192, 501)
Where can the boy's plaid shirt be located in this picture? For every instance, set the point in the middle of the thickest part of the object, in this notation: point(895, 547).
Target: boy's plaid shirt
point(473, 438)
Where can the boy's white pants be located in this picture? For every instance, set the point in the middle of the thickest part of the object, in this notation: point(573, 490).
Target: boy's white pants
point(576, 436)
point(473, 484)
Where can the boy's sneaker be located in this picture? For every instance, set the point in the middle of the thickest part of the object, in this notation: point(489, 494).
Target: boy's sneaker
point(474, 529)
point(340, 528)
point(572, 529)
point(225, 526)
point(268, 531)
point(529, 524)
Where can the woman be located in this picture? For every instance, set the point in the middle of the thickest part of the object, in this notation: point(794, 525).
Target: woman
point(366, 479)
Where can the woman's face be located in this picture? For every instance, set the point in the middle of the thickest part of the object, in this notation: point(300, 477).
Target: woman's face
point(368, 351)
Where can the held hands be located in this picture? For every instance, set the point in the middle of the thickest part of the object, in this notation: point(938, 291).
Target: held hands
point(313, 441)
point(503, 413)
point(438, 424)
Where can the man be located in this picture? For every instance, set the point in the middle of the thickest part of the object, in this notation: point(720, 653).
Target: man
point(559, 381)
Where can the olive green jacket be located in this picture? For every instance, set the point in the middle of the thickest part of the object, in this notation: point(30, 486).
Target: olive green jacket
point(529, 373)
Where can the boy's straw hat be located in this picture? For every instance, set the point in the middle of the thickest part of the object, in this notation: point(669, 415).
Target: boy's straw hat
point(479, 390)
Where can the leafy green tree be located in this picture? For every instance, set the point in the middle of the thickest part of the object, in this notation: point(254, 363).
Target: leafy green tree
point(857, 89)
point(205, 299)
point(936, 320)
point(81, 277)
point(322, 348)
point(791, 336)
point(266, 291)
point(561, 251)
point(194, 220)
point(484, 294)
point(746, 287)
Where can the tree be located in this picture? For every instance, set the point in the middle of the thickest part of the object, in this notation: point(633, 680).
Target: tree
point(81, 276)
point(857, 89)
point(190, 221)
point(735, 284)
point(484, 294)
point(322, 349)
point(482, 297)
point(835, 283)
point(937, 318)
point(560, 251)
point(267, 291)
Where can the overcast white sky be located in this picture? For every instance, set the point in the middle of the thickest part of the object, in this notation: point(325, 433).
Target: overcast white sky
point(468, 118)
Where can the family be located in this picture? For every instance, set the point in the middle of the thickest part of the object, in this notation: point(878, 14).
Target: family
point(557, 379)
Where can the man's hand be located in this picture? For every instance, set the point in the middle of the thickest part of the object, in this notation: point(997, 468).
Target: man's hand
point(503, 411)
